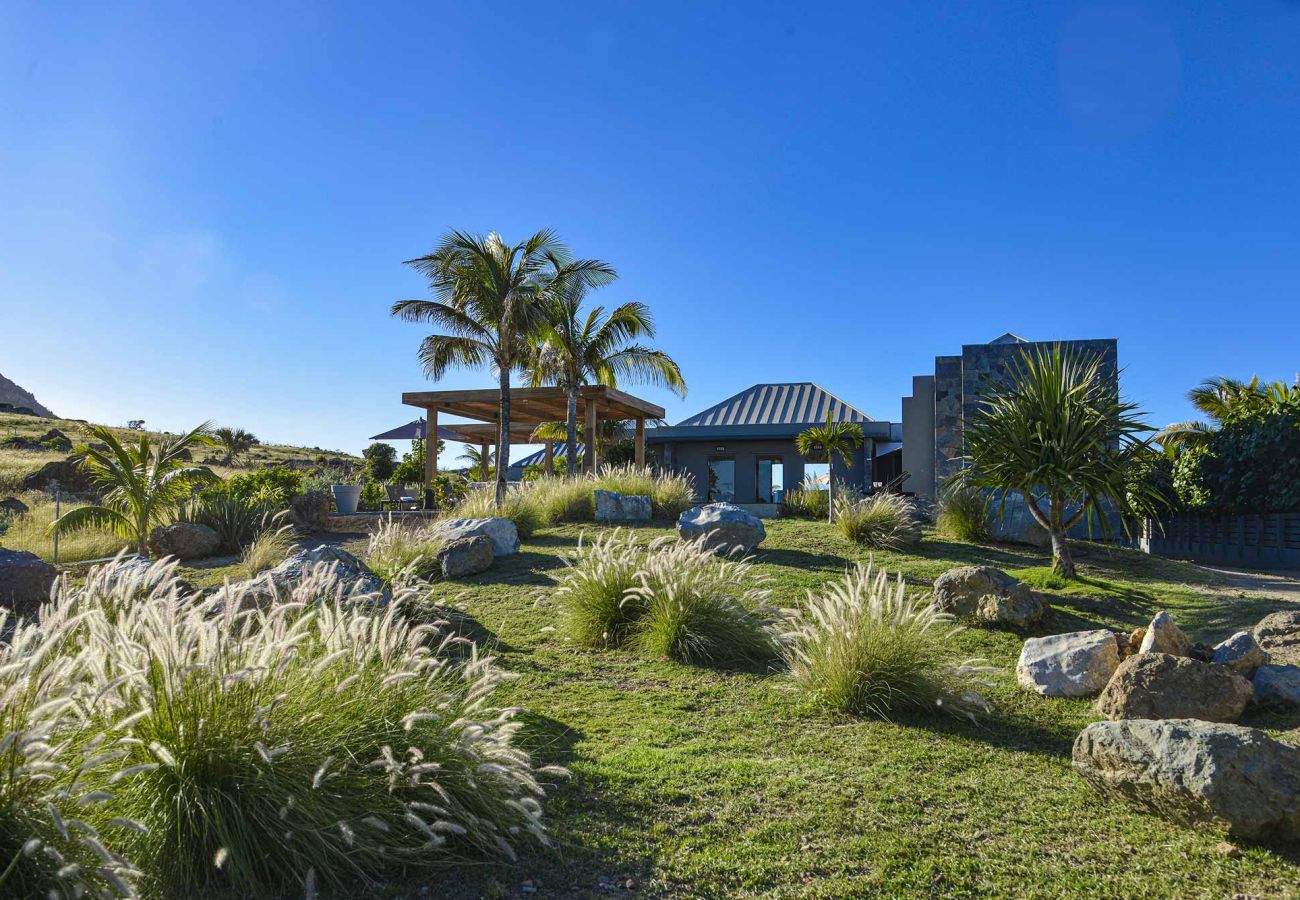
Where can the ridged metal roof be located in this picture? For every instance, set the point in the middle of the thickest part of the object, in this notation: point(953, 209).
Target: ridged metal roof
point(800, 403)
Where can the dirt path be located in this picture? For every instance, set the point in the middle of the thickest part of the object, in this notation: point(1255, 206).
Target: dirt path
point(1280, 584)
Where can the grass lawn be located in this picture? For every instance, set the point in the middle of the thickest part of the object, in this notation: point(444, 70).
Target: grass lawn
point(699, 782)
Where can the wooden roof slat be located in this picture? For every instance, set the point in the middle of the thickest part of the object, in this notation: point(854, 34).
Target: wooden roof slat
point(532, 405)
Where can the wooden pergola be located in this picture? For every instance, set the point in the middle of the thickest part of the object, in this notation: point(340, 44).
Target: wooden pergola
point(529, 407)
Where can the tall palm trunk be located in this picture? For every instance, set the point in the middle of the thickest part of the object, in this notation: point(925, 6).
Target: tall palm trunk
point(503, 436)
point(830, 492)
point(571, 432)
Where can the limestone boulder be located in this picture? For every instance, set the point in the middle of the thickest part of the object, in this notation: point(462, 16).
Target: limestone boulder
point(1164, 636)
point(1192, 771)
point(25, 582)
point(499, 530)
point(310, 512)
point(988, 594)
point(722, 526)
point(1279, 635)
point(615, 507)
point(1019, 609)
point(138, 576)
point(1241, 653)
point(465, 556)
point(184, 540)
point(1163, 686)
point(1077, 664)
point(1277, 686)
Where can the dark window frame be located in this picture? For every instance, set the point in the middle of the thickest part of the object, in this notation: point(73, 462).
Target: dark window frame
point(759, 459)
point(708, 467)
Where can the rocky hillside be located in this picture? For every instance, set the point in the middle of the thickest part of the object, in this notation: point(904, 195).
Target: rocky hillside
point(14, 399)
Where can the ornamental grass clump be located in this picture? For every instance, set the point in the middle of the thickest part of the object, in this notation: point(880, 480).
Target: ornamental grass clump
point(563, 499)
point(670, 493)
point(399, 553)
point(595, 593)
point(964, 513)
point(520, 505)
point(882, 521)
point(266, 750)
point(268, 550)
point(862, 647)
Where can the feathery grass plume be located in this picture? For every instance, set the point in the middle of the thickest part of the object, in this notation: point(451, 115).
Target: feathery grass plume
point(964, 513)
point(670, 493)
point(594, 592)
point(48, 846)
point(806, 502)
point(883, 521)
point(862, 646)
point(564, 499)
point(317, 735)
point(519, 506)
point(399, 553)
point(268, 550)
point(700, 608)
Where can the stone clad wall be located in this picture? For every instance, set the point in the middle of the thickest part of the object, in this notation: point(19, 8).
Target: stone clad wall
point(947, 417)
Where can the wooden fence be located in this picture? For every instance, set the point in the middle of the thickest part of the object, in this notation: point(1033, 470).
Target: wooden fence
point(1268, 541)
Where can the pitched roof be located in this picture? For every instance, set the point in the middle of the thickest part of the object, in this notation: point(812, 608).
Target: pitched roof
point(798, 403)
point(536, 459)
point(1009, 338)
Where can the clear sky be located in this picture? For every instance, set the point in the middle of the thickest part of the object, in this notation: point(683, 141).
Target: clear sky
point(204, 208)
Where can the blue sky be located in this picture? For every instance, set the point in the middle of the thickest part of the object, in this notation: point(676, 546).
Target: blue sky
point(205, 207)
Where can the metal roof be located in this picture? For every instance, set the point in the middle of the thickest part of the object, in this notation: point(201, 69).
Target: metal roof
point(798, 403)
point(536, 459)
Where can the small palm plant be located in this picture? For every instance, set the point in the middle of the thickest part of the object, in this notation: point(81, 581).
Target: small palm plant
point(142, 483)
point(235, 442)
point(826, 441)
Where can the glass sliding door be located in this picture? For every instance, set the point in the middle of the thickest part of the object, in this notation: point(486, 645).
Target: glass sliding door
point(722, 480)
point(771, 479)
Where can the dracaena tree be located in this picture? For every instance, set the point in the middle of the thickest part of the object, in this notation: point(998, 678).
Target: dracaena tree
point(141, 483)
point(487, 309)
point(1057, 433)
point(594, 346)
point(827, 441)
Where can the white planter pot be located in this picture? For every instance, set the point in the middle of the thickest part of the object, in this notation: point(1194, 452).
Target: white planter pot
point(346, 497)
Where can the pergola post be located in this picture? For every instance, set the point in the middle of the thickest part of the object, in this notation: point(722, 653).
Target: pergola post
point(640, 443)
point(589, 450)
point(483, 462)
point(430, 454)
point(549, 458)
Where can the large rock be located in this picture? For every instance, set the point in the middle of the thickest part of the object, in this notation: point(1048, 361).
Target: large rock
point(465, 556)
point(25, 581)
point(1163, 686)
point(1279, 634)
point(139, 576)
point(67, 473)
point(352, 574)
point(1192, 771)
point(614, 507)
point(1164, 636)
point(13, 506)
point(501, 531)
point(310, 512)
point(184, 540)
point(1277, 686)
point(1241, 653)
point(961, 592)
point(1077, 664)
point(722, 526)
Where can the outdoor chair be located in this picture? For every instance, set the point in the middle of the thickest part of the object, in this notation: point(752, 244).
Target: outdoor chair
point(399, 497)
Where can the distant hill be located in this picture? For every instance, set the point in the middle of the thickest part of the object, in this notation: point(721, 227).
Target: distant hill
point(14, 399)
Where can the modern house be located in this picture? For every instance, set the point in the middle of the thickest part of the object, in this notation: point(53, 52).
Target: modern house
point(742, 450)
point(934, 416)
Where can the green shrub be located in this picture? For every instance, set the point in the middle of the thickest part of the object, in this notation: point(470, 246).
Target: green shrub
point(519, 506)
point(381, 460)
point(594, 592)
point(274, 486)
point(1251, 464)
point(881, 521)
point(237, 518)
point(805, 503)
point(400, 553)
point(373, 495)
point(316, 742)
point(862, 647)
point(964, 513)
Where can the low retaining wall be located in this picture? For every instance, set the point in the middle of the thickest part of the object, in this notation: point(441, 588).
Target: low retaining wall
point(1269, 541)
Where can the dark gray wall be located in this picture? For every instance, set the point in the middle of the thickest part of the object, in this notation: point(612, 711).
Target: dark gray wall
point(691, 458)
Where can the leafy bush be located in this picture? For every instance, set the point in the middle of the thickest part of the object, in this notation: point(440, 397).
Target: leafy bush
point(1249, 465)
point(381, 460)
point(805, 503)
point(964, 513)
point(268, 550)
point(862, 647)
point(520, 506)
point(399, 553)
point(883, 521)
point(313, 742)
point(274, 486)
point(373, 495)
point(670, 598)
point(239, 519)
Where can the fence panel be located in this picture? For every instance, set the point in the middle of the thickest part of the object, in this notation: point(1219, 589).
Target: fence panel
point(1267, 541)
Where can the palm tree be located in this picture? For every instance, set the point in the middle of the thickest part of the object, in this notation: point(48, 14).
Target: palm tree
point(488, 308)
point(1057, 433)
point(1219, 399)
point(235, 441)
point(473, 458)
point(828, 440)
point(140, 482)
point(596, 348)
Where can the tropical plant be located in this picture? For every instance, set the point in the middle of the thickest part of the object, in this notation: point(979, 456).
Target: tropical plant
point(473, 458)
point(827, 441)
point(595, 347)
point(274, 486)
point(1057, 433)
point(235, 442)
point(489, 310)
point(964, 512)
point(142, 484)
point(238, 519)
point(883, 521)
point(861, 646)
point(1220, 399)
point(607, 436)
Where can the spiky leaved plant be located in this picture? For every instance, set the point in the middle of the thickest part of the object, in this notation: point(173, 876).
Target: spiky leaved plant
point(882, 521)
point(862, 646)
point(316, 740)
